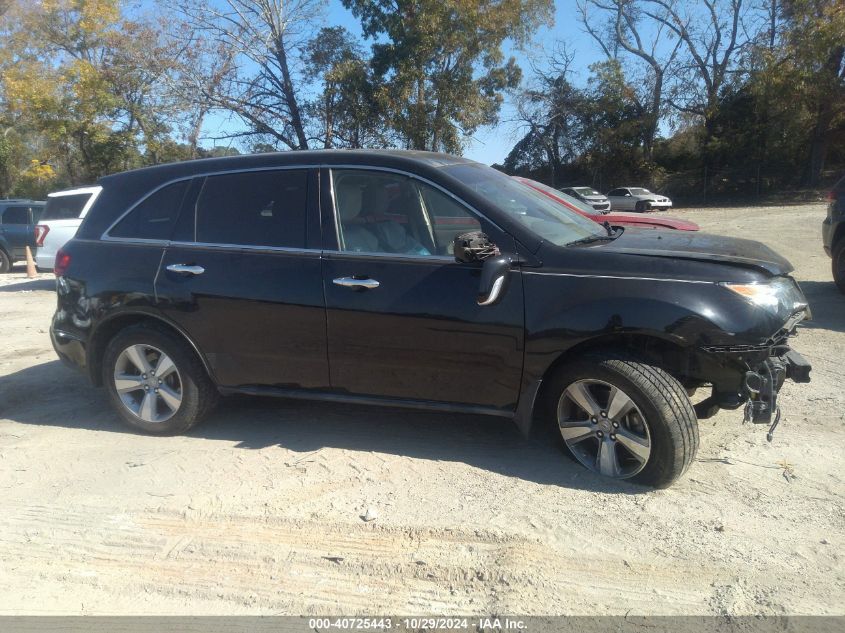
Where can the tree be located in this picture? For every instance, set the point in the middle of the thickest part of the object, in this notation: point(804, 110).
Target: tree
point(711, 36)
point(439, 63)
point(265, 38)
point(83, 83)
point(814, 42)
point(347, 111)
point(624, 24)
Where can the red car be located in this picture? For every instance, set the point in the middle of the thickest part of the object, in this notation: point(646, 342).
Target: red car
point(639, 220)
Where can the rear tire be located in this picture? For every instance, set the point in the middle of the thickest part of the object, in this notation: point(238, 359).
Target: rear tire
point(659, 424)
point(5, 262)
point(838, 265)
point(168, 404)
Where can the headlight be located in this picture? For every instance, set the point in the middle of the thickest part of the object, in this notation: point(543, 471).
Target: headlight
point(781, 293)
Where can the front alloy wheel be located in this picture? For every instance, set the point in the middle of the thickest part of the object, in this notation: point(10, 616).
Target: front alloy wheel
point(622, 417)
point(603, 428)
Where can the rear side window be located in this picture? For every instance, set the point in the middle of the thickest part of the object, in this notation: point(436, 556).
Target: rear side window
point(154, 217)
point(261, 208)
point(16, 215)
point(65, 207)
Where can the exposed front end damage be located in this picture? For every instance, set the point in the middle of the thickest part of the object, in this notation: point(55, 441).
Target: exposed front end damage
point(752, 375)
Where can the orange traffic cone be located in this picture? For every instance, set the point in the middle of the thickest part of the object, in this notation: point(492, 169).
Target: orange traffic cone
point(30, 264)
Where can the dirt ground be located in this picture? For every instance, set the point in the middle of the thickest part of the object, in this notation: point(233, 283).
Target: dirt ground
point(259, 509)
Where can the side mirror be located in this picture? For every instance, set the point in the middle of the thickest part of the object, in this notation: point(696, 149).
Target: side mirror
point(471, 247)
point(495, 277)
point(475, 246)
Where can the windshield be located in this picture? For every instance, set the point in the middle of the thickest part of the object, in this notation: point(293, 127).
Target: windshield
point(65, 207)
point(540, 214)
point(586, 191)
point(638, 191)
point(568, 200)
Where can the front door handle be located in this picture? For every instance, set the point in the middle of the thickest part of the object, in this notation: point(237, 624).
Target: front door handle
point(188, 269)
point(351, 282)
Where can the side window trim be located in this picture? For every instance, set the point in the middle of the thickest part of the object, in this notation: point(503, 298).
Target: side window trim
point(416, 178)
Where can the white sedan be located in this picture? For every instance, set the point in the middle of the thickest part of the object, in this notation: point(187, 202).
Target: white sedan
point(637, 199)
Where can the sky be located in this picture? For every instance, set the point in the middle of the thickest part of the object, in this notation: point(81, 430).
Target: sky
point(488, 145)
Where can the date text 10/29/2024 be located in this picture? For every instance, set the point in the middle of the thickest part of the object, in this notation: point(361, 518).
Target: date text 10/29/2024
point(416, 624)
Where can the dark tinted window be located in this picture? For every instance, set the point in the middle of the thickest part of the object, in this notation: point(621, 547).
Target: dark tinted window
point(262, 208)
point(154, 218)
point(617, 192)
point(16, 215)
point(65, 207)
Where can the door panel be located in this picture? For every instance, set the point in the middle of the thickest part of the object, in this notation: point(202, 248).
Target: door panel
point(257, 316)
point(419, 333)
point(253, 305)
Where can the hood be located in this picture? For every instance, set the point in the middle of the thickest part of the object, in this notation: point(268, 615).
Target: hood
point(700, 246)
point(595, 198)
point(638, 219)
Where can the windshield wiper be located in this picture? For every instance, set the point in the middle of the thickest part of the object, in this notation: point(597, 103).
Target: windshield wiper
point(611, 235)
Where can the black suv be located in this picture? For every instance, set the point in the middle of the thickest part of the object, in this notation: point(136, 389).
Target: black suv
point(833, 233)
point(419, 280)
point(17, 230)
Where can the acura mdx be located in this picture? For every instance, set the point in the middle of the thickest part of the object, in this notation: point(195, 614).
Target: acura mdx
point(420, 280)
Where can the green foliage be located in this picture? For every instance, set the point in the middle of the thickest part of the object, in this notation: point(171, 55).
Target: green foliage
point(439, 66)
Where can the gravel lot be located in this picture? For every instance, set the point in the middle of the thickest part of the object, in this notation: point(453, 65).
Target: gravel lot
point(259, 509)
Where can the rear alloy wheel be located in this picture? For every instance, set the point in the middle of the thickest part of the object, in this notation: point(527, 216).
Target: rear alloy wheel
point(623, 418)
point(839, 265)
point(156, 382)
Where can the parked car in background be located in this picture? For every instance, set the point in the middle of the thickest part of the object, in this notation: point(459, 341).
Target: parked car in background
point(637, 199)
point(595, 199)
point(420, 280)
point(17, 230)
point(59, 221)
point(833, 232)
point(615, 219)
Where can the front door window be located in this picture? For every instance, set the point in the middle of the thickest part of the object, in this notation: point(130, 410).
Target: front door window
point(382, 212)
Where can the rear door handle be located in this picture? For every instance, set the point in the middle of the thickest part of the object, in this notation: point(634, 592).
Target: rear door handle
point(351, 282)
point(188, 269)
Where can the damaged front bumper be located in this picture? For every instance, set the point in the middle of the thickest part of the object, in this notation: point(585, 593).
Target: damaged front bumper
point(757, 376)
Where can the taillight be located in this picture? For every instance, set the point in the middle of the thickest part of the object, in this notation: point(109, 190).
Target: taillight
point(831, 195)
point(41, 231)
point(62, 263)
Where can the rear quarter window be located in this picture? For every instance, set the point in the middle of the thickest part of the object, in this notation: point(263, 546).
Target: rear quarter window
point(65, 207)
point(154, 217)
point(16, 215)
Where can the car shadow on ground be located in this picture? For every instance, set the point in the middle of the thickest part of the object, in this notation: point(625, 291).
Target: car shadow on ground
point(485, 442)
point(827, 304)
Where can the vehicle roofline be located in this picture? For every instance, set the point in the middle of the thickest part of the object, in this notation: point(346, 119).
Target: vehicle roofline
point(387, 157)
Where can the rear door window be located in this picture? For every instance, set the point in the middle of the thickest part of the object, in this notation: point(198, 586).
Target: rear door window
point(65, 207)
point(260, 208)
point(154, 217)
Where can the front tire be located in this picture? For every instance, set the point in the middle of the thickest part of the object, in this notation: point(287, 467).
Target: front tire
point(642, 207)
point(624, 418)
point(838, 265)
point(156, 382)
point(5, 262)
